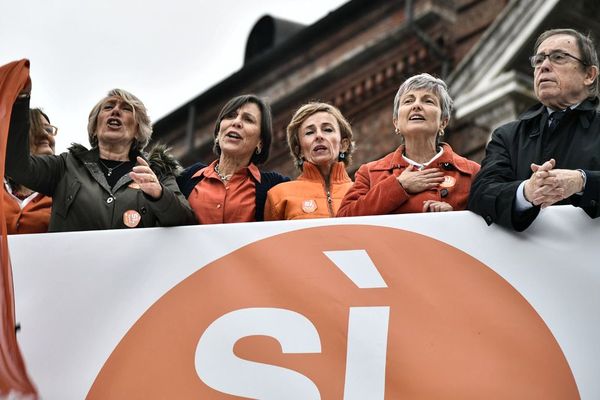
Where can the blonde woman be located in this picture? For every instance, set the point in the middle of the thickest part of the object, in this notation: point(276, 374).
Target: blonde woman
point(320, 142)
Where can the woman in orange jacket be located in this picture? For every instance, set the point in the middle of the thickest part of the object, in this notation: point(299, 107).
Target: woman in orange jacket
point(320, 141)
point(423, 174)
point(28, 211)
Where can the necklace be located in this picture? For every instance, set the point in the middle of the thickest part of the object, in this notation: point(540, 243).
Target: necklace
point(109, 169)
point(223, 177)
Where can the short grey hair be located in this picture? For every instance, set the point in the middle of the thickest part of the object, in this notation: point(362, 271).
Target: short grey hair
point(430, 83)
point(585, 44)
point(144, 133)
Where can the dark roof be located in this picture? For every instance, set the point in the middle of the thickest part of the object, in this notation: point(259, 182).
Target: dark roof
point(269, 32)
point(295, 43)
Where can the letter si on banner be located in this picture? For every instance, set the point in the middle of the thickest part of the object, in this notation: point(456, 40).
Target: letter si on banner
point(412, 306)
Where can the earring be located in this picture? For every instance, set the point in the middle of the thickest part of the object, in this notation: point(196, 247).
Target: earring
point(342, 156)
point(397, 131)
point(441, 132)
point(258, 150)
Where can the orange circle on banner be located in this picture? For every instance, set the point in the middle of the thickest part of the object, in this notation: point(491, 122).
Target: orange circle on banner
point(456, 328)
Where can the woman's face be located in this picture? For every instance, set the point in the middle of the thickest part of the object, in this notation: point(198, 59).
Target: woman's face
point(239, 132)
point(116, 123)
point(42, 142)
point(419, 113)
point(320, 139)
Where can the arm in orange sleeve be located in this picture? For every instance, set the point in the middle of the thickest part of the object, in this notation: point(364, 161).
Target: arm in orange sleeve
point(272, 211)
point(372, 198)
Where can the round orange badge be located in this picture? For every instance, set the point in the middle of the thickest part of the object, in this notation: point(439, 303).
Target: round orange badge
point(449, 181)
point(131, 218)
point(309, 206)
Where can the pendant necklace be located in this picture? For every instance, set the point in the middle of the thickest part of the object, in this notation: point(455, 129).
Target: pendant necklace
point(110, 170)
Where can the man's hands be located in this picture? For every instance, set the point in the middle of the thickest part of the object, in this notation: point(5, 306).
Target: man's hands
point(547, 185)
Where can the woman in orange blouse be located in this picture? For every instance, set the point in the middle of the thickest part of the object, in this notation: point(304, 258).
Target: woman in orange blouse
point(423, 174)
point(232, 188)
point(28, 211)
point(320, 141)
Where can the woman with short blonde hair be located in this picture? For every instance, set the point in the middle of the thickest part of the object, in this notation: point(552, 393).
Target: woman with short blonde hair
point(320, 142)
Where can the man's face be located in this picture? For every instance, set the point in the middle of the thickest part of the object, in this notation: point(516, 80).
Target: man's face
point(559, 86)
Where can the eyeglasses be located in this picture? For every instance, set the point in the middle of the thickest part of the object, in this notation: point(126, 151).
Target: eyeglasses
point(50, 130)
point(555, 57)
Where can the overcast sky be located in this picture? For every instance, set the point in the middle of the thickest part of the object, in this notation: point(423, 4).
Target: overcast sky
point(164, 52)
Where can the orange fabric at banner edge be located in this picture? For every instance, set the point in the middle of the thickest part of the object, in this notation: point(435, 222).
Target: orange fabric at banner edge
point(14, 380)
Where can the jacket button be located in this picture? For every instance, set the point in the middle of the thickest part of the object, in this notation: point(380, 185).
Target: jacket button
point(444, 192)
point(593, 203)
point(110, 200)
point(143, 210)
point(69, 197)
point(488, 219)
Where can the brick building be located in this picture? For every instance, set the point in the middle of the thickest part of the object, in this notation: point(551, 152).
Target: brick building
point(358, 55)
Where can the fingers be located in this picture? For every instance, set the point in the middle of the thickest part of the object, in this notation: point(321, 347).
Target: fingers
point(547, 166)
point(142, 162)
point(143, 172)
point(436, 206)
point(143, 177)
point(426, 205)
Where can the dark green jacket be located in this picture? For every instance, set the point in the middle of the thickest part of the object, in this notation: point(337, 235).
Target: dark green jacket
point(82, 198)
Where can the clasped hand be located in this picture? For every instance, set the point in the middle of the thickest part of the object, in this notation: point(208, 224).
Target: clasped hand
point(547, 185)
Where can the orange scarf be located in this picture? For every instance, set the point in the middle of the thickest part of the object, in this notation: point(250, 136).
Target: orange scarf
point(13, 377)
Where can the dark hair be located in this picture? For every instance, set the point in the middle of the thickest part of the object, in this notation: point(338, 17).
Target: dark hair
point(266, 125)
point(585, 44)
point(35, 126)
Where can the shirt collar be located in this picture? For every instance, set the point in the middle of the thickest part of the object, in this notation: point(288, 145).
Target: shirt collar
point(338, 172)
point(552, 111)
point(420, 166)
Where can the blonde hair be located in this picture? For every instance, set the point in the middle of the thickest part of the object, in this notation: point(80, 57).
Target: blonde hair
point(144, 133)
point(302, 114)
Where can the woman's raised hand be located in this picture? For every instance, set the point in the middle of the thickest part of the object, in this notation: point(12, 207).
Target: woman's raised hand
point(143, 175)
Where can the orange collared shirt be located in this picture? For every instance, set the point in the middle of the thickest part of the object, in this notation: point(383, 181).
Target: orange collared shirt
point(217, 202)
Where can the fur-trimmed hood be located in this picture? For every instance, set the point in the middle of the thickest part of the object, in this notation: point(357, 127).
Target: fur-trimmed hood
point(159, 157)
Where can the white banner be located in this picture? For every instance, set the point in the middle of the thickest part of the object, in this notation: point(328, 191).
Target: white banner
point(410, 306)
